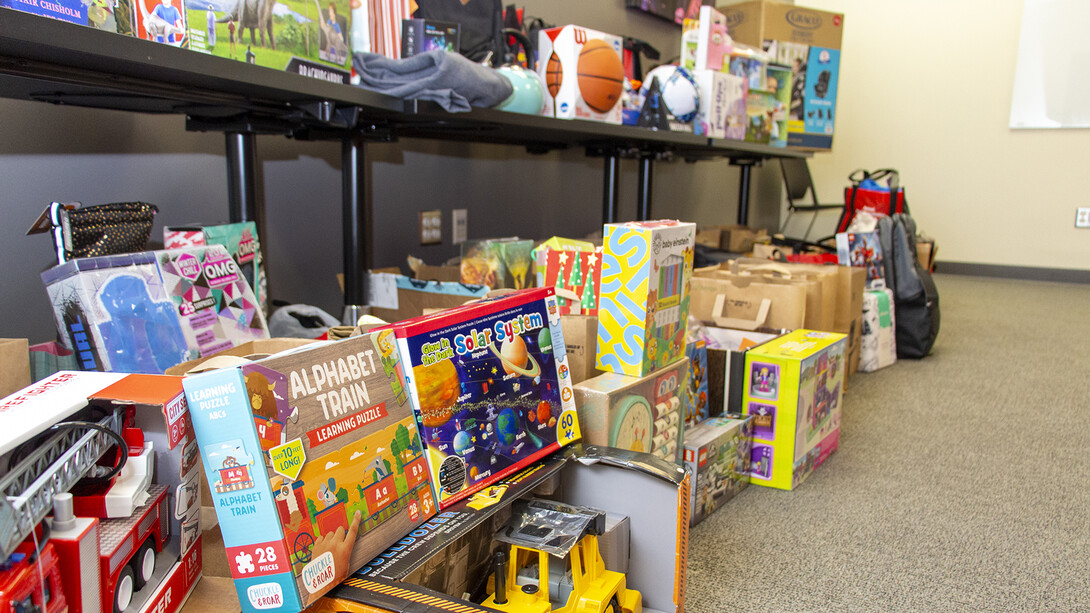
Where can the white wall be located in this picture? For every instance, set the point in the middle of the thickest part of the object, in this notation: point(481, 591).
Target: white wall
point(925, 87)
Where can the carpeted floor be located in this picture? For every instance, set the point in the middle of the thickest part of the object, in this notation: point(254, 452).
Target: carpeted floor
point(962, 482)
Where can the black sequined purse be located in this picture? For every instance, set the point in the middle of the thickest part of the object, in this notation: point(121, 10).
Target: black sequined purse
point(103, 229)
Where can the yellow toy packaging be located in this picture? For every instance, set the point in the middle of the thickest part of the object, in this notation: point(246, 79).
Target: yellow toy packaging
point(644, 307)
point(794, 385)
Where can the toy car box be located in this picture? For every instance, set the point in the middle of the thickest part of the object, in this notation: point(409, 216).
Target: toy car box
point(167, 491)
point(644, 414)
point(717, 453)
point(300, 36)
point(314, 464)
point(591, 476)
point(794, 386)
point(808, 41)
point(240, 240)
point(490, 386)
point(878, 345)
point(644, 308)
point(582, 80)
point(145, 312)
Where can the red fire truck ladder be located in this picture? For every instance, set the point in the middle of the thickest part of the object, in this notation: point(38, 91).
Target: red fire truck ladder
point(52, 468)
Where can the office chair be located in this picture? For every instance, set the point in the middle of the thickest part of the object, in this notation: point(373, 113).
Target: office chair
point(797, 180)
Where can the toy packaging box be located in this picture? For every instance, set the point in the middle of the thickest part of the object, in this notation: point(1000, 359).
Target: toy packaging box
point(696, 385)
point(300, 36)
point(808, 41)
point(500, 263)
point(583, 73)
point(161, 21)
point(491, 388)
point(779, 82)
point(109, 15)
point(717, 454)
point(579, 271)
point(240, 240)
point(644, 307)
point(759, 112)
point(726, 365)
point(794, 386)
point(878, 346)
point(722, 104)
point(645, 414)
point(314, 465)
point(862, 250)
point(145, 312)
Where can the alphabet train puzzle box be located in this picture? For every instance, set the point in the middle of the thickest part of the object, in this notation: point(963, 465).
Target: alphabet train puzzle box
point(314, 464)
point(491, 388)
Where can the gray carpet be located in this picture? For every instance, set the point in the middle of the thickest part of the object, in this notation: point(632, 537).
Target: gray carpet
point(962, 482)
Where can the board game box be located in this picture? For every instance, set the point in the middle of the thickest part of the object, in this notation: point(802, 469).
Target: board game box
point(491, 388)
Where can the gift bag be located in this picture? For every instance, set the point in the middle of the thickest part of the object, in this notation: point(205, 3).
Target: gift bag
point(868, 194)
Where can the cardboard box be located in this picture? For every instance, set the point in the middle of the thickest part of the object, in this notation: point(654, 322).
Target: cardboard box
point(581, 342)
point(241, 242)
point(145, 312)
point(646, 267)
point(696, 384)
point(722, 106)
point(498, 263)
point(808, 40)
point(307, 38)
point(395, 297)
point(304, 445)
point(589, 476)
point(15, 365)
point(740, 239)
point(879, 339)
point(644, 414)
point(562, 52)
point(794, 387)
point(491, 387)
point(717, 456)
point(727, 365)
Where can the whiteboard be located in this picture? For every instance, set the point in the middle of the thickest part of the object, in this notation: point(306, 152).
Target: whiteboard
point(1052, 74)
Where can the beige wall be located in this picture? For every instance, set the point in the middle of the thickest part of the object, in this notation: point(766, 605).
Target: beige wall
point(925, 87)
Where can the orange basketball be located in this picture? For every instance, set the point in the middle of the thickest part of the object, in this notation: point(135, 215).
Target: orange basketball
point(554, 74)
point(601, 75)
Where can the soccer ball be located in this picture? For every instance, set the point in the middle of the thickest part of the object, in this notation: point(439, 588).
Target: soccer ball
point(680, 94)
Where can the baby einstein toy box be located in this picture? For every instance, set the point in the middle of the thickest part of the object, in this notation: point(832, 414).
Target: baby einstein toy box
point(644, 308)
point(314, 464)
point(491, 387)
point(794, 384)
point(583, 73)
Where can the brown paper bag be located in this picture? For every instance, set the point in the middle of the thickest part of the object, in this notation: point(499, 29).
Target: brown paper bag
point(822, 286)
point(738, 301)
point(14, 365)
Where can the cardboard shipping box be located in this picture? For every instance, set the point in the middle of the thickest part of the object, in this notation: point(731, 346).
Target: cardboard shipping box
point(808, 40)
point(581, 342)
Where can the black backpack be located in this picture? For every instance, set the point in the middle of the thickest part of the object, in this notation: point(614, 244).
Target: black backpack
point(915, 297)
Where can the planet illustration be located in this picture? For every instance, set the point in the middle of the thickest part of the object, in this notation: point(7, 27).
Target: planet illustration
point(437, 386)
point(545, 340)
point(544, 411)
point(515, 357)
point(507, 426)
point(462, 442)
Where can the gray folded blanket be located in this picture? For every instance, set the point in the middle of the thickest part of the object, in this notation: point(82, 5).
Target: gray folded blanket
point(449, 79)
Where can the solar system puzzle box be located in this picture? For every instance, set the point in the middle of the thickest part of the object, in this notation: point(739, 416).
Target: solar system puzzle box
point(314, 465)
point(491, 388)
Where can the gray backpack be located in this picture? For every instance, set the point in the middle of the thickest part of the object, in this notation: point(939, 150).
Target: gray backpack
point(915, 297)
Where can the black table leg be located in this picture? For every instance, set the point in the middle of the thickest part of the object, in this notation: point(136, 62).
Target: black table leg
point(746, 168)
point(643, 196)
point(242, 201)
point(357, 227)
point(611, 187)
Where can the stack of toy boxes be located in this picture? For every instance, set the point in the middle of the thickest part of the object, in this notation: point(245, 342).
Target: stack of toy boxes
point(300, 36)
point(878, 345)
point(240, 240)
point(640, 403)
point(794, 386)
point(491, 388)
point(583, 73)
point(808, 41)
point(145, 312)
point(314, 465)
point(498, 263)
point(717, 455)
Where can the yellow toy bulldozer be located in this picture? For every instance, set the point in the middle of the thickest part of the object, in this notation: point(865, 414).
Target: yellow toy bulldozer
point(553, 564)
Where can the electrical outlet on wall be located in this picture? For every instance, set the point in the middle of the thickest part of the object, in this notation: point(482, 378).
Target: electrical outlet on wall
point(459, 222)
point(1082, 217)
point(431, 227)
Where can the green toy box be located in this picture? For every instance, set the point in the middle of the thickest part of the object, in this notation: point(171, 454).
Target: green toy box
point(794, 385)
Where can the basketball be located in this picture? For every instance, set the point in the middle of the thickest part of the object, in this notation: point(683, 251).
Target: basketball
point(680, 95)
point(601, 75)
point(554, 74)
